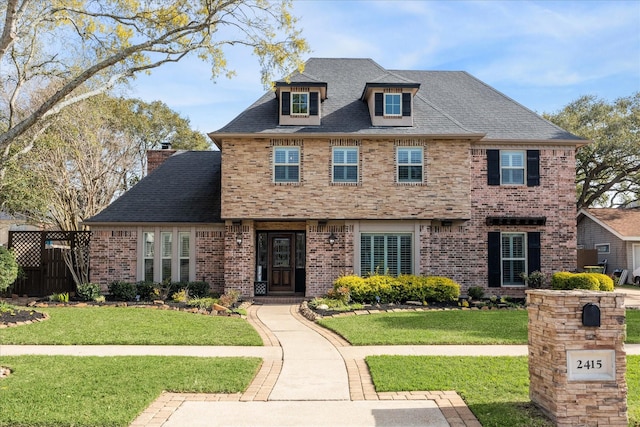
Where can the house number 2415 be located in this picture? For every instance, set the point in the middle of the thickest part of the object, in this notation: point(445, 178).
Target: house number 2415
point(589, 364)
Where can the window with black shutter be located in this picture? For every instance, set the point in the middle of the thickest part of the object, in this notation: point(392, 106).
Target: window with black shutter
point(379, 104)
point(406, 104)
point(533, 168)
point(286, 103)
point(313, 103)
point(493, 259)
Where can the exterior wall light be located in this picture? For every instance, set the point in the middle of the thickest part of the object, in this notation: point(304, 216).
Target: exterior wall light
point(239, 239)
point(332, 239)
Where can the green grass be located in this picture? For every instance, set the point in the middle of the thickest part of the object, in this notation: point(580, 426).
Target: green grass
point(446, 327)
point(131, 326)
point(496, 389)
point(108, 391)
point(433, 327)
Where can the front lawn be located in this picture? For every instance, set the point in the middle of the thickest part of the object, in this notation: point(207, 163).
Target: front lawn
point(496, 389)
point(446, 327)
point(108, 391)
point(110, 325)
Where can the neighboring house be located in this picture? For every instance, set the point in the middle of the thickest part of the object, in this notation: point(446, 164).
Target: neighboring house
point(349, 167)
point(12, 223)
point(615, 234)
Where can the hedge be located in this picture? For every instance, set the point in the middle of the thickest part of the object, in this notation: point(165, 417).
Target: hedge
point(591, 281)
point(387, 289)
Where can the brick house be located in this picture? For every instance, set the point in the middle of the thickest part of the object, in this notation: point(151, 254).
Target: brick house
point(615, 236)
point(349, 167)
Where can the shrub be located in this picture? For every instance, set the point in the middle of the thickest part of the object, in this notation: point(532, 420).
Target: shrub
point(122, 291)
point(414, 288)
point(229, 298)
point(476, 292)
point(534, 280)
point(356, 285)
point(63, 297)
point(384, 289)
point(340, 293)
point(181, 296)
point(202, 303)
point(606, 282)
point(148, 291)
point(568, 281)
point(198, 289)
point(8, 268)
point(444, 289)
point(88, 291)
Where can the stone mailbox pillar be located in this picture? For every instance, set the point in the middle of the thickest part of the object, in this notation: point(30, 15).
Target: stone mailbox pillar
point(577, 370)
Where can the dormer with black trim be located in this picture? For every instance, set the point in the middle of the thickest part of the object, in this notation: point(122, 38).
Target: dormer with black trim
point(299, 102)
point(390, 104)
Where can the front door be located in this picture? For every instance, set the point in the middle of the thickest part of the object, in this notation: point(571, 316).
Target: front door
point(282, 257)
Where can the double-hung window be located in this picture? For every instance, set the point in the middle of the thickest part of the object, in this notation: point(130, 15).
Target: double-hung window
point(148, 255)
point(167, 255)
point(286, 164)
point(345, 164)
point(514, 258)
point(184, 249)
point(410, 164)
point(393, 104)
point(512, 167)
point(300, 103)
point(386, 254)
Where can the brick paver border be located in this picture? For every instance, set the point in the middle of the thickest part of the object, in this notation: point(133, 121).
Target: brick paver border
point(454, 409)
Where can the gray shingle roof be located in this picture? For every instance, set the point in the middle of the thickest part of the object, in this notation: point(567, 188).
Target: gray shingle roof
point(448, 103)
point(185, 189)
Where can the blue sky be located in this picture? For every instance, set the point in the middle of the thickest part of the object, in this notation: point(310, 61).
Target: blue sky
point(543, 54)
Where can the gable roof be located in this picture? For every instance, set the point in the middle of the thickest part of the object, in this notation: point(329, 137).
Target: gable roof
point(185, 188)
point(624, 223)
point(448, 103)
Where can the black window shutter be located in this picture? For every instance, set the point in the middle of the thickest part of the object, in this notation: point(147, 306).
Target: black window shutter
point(379, 104)
point(286, 103)
point(313, 103)
point(533, 168)
point(406, 104)
point(493, 167)
point(493, 260)
point(533, 251)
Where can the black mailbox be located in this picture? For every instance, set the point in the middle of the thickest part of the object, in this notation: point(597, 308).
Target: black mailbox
point(591, 315)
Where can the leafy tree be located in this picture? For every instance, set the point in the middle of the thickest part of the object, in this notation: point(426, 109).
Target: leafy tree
point(90, 153)
point(54, 53)
point(608, 168)
point(8, 268)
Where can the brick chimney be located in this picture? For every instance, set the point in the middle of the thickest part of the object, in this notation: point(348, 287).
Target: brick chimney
point(156, 157)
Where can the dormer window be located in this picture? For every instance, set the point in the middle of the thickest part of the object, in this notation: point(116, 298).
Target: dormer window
point(392, 104)
point(300, 104)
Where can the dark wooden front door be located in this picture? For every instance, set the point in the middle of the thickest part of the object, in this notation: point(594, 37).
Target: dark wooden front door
point(282, 257)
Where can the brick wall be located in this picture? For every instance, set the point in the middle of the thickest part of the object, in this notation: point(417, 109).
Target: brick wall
point(555, 327)
point(444, 194)
point(113, 254)
point(239, 259)
point(325, 263)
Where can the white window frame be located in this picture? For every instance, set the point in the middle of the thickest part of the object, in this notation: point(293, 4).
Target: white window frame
point(345, 163)
point(299, 104)
point(148, 254)
point(387, 103)
point(174, 253)
point(510, 167)
point(606, 246)
point(409, 164)
point(386, 242)
point(287, 163)
point(512, 259)
point(184, 254)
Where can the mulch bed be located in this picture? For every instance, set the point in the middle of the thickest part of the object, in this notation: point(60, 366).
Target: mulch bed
point(18, 316)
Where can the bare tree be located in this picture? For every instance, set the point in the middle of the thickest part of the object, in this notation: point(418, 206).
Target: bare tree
point(85, 47)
